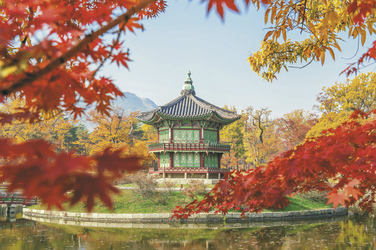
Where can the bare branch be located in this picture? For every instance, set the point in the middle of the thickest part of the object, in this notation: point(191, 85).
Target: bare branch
point(302, 67)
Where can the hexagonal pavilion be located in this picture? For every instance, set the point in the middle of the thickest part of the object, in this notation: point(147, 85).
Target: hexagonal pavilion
point(188, 143)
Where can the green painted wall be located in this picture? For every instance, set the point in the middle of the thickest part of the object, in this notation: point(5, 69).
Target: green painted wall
point(191, 160)
point(164, 160)
point(211, 160)
point(210, 136)
point(186, 135)
point(164, 136)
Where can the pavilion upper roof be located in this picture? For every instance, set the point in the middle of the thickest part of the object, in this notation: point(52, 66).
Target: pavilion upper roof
point(188, 107)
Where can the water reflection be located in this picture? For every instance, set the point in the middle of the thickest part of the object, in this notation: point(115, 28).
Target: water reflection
point(353, 233)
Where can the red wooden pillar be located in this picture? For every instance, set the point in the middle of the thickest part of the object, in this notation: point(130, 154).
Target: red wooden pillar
point(202, 160)
point(158, 134)
point(219, 160)
point(171, 160)
point(159, 164)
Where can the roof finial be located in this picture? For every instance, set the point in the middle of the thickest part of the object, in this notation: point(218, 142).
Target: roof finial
point(188, 87)
point(188, 80)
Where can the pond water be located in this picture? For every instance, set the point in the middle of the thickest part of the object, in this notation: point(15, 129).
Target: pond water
point(349, 233)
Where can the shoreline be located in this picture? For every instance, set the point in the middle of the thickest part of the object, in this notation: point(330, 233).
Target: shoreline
point(164, 218)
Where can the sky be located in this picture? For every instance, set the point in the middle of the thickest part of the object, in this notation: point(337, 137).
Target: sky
point(215, 51)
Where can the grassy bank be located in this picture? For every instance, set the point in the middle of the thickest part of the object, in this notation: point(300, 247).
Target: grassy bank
point(163, 202)
point(129, 202)
point(300, 203)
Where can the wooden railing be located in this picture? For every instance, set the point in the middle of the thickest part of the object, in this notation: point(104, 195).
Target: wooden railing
point(189, 170)
point(15, 199)
point(189, 146)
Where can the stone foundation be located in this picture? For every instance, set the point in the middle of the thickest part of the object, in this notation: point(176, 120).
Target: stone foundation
point(186, 181)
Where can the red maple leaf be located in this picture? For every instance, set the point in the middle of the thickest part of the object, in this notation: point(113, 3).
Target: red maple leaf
point(133, 24)
point(336, 198)
point(220, 6)
point(121, 58)
point(113, 161)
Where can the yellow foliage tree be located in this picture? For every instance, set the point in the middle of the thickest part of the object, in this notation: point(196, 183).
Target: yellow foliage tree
point(59, 130)
point(149, 133)
point(328, 121)
point(340, 100)
point(321, 21)
point(357, 93)
point(113, 130)
point(233, 133)
point(117, 130)
point(261, 140)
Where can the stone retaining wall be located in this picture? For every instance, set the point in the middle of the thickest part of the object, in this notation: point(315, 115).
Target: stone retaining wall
point(197, 218)
point(174, 225)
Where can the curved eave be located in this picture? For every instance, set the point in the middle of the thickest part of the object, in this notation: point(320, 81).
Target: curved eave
point(171, 117)
point(217, 118)
point(154, 119)
point(214, 117)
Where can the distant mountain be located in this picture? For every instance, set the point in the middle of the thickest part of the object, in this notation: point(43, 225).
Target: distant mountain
point(131, 102)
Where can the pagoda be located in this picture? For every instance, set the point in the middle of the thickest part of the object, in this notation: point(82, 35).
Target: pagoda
point(188, 143)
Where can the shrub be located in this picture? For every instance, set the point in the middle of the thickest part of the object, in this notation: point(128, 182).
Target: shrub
point(169, 186)
point(146, 184)
point(195, 188)
point(315, 196)
point(161, 197)
point(123, 180)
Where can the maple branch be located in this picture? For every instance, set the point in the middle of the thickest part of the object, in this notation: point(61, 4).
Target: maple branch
point(31, 77)
point(110, 53)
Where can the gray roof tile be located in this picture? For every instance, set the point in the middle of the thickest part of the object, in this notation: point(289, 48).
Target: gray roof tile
point(189, 105)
